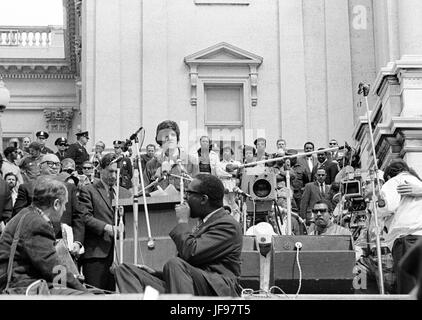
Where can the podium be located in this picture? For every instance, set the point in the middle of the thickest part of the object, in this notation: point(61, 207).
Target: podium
point(326, 262)
point(162, 219)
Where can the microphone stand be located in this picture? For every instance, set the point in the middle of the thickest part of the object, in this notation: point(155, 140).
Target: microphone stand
point(250, 164)
point(150, 244)
point(135, 216)
point(364, 89)
point(181, 183)
point(116, 214)
point(289, 204)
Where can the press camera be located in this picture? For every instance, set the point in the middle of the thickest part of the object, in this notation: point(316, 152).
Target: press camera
point(353, 198)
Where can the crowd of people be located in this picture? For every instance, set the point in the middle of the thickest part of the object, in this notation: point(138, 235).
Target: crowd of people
point(75, 188)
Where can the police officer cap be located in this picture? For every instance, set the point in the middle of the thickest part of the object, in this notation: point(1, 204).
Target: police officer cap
point(60, 141)
point(82, 134)
point(42, 134)
point(291, 152)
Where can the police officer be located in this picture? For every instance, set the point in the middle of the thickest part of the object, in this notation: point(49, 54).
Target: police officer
point(125, 165)
point(77, 151)
point(62, 145)
point(41, 137)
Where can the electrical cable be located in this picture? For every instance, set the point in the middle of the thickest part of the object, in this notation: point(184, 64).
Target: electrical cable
point(300, 272)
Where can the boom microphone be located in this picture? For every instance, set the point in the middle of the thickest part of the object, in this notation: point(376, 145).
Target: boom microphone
point(133, 136)
point(118, 159)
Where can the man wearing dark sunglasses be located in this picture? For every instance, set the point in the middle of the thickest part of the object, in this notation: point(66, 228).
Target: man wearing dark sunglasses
point(324, 225)
point(208, 261)
point(313, 192)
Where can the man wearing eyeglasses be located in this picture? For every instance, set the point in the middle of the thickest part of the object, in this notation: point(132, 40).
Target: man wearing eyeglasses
point(324, 225)
point(61, 144)
point(313, 192)
point(50, 166)
point(208, 261)
point(87, 177)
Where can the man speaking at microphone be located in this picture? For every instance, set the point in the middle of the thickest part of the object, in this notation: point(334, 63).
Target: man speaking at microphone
point(208, 260)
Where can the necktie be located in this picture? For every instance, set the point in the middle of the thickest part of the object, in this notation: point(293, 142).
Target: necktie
point(198, 226)
point(321, 189)
point(111, 194)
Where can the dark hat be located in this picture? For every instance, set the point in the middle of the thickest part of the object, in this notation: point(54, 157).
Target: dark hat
point(167, 124)
point(60, 141)
point(43, 134)
point(82, 134)
point(259, 139)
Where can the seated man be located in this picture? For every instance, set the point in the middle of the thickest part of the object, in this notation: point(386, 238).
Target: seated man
point(208, 262)
point(323, 224)
point(35, 256)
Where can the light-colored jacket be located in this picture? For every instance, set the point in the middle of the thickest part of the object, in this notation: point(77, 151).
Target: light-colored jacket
point(402, 213)
point(193, 166)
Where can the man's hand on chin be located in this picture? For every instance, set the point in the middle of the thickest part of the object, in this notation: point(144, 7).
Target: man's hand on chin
point(182, 213)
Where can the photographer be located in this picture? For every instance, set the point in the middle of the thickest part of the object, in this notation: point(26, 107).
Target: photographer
point(126, 168)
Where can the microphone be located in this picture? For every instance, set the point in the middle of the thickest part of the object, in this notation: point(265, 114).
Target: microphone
point(363, 88)
point(241, 192)
point(133, 136)
point(183, 171)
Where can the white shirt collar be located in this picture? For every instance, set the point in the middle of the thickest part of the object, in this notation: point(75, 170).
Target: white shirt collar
point(209, 215)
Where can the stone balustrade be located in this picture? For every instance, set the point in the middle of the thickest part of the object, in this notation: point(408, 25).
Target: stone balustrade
point(27, 36)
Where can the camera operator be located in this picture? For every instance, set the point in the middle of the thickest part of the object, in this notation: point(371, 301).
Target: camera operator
point(402, 212)
point(126, 168)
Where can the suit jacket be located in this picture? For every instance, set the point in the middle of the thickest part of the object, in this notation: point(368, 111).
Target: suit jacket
point(126, 173)
point(215, 248)
point(35, 256)
point(72, 216)
point(5, 202)
point(46, 150)
point(61, 155)
point(304, 163)
point(98, 211)
point(310, 196)
point(78, 153)
point(331, 169)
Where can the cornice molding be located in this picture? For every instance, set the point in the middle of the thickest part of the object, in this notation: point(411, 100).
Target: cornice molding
point(396, 69)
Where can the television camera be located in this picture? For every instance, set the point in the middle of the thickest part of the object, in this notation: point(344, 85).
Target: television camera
point(353, 204)
point(126, 144)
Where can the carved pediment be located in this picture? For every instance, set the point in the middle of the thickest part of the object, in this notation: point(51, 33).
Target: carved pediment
point(223, 53)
